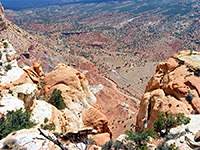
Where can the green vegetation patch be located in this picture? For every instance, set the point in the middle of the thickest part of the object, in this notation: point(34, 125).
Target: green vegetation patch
point(50, 126)
point(166, 122)
point(5, 44)
point(56, 99)
point(15, 120)
point(140, 138)
point(8, 67)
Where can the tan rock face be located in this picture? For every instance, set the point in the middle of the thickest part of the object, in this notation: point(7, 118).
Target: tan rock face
point(101, 139)
point(26, 92)
point(77, 98)
point(168, 88)
point(64, 121)
point(74, 86)
point(97, 120)
point(34, 72)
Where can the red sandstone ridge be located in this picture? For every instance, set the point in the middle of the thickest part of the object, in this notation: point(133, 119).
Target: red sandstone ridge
point(174, 80)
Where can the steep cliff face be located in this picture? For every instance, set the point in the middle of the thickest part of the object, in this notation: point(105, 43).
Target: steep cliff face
point(173, 89)
point(2, 18)
point(28, 48)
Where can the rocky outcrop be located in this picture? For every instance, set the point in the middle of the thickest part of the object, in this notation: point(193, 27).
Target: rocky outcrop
point(78, 99)
point(2, 18)
point(74, 86)
point(35, 72)
point(173, 89)
point(9, 70)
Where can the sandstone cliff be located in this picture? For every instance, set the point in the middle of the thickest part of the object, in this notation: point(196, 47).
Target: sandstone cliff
point(173, 89)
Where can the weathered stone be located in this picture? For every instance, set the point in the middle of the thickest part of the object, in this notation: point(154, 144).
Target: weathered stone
point(28, 139)
point(101, 139)
point(197, 136)
point(26, 92)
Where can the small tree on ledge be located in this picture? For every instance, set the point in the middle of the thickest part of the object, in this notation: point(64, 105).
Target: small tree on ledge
point(169, 121)
point(56, 99)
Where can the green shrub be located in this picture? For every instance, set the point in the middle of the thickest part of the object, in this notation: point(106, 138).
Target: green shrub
point(180, 62)
point(197, 72)
point(169, 121)
point(190, 70)
point(50, 126)
point(8, 67)
point(167, 147)
point(140, 138)
point(15, 120)
point(56, 99)
point(189, 97)
point(0, 55)
point(5, 44)
point(107, 145)
point(46, 120)
point(112, 145)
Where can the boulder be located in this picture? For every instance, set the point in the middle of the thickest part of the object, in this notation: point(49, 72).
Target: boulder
point(38, 68)
point(26, 92)
point(35, 72)
point(197, 136)
point(97, 120)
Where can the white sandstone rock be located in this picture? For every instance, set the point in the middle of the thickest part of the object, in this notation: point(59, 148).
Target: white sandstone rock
point(41, 111)
point(26, 89)
point(96, 88)
point(9, 103)
point(29, 139)
point(8, 57)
